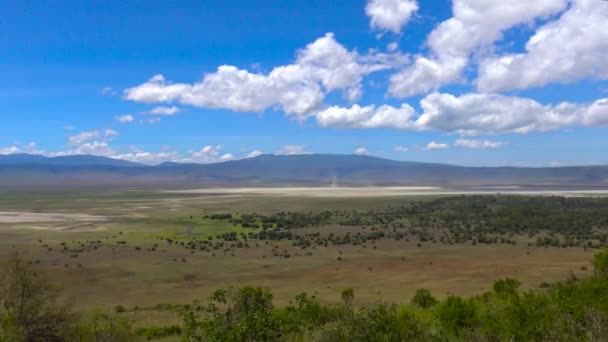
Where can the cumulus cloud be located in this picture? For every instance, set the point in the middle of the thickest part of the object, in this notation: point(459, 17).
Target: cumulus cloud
point(474, 27)
point(109, 133)
point(476, 114)
point(479, 144)
point(401, 149)
point(297, 89)
point(98, 148)
point(9, 150)
point(391, 47)
point(435, 146)
point(227, 157)
point(566, 50)
point(150, 121)
point(167, 111)
point(149, 158)
point(108, 91)
point(367, 117)
point(128, 118)
point(29, 148)
point(82, 137)
point(292, 149)
point(470, 114)
point(254, 154)
point(206, 155)
point(361, 151)
point(390, 15)
point(208, 151)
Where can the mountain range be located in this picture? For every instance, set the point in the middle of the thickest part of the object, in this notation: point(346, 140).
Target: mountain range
point(32, 171)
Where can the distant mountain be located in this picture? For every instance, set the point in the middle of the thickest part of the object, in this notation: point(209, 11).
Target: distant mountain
point(281, 170)
point(72, 160)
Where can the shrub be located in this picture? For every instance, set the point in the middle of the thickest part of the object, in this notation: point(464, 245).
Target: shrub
point(600, 264)
point(424, 299)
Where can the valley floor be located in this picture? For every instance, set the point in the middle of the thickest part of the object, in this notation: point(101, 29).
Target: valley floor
point(110, 248)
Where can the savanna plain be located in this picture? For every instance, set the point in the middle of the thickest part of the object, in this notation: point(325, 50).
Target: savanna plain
point(143, 253)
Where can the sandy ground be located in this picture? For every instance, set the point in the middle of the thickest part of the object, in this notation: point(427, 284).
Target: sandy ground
point(28, 217)
point(388, 191)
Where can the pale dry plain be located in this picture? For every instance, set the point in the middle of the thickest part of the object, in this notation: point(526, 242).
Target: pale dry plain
point(104, 248)
point(349, 192)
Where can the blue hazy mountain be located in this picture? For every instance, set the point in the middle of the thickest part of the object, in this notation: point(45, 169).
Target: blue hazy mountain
point(23, 170)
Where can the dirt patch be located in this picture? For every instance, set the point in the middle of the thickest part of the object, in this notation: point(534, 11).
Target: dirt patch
point(362, 192)
point(29, 217)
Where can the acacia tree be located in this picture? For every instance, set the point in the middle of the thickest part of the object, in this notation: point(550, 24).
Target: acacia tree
point(600, 263)
point(28, 309)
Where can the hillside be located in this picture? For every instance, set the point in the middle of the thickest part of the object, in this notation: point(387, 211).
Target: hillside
point(280, 170)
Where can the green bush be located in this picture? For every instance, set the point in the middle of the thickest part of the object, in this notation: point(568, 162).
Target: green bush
point(424, 299)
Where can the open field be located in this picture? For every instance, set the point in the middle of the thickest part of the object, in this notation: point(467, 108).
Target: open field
point(132, 248)
point(368, 192)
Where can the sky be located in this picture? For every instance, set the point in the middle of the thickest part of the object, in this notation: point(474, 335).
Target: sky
point(468, 82)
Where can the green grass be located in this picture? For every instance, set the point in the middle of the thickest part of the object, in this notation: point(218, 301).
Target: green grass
point(121, 275)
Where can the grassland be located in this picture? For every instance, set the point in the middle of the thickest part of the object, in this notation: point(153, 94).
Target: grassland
point(124, 257)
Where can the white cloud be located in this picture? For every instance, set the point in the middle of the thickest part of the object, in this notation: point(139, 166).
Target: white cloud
point(109, 133)
point(149, 158)
point(29, 148)
point(298, 89)
point(167, 111)
point(109, 91)
point(566, 50)
point(151, 121)
point(227, 157)
point(9, 150)
point(475, 114)
point(426, 75)
point(392, 47)
point(435, 146)
point(470, 114)
point(83, 137)
point(207, 151)
point(156, 89)
point(390, 15)
point(475, 26)
point(401, 149)
point(292, 149)
point(254, 154)
point(367, 117)
point(98, 148)
point(479, 144)
point(361, 151)
point(125, 118)
point(206, 155)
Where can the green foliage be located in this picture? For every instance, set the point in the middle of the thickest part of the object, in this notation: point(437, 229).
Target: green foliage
point(457, 317)
point(101, 326)
point(153, 332)
point(348, 296)
point(243, 315)
point(28, 309)
point(574, 310)
point(600, 264)
point(506, 287)
point(424, 299)
point(381, 322)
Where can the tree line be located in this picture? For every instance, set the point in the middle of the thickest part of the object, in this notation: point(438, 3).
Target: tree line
point(572, 310)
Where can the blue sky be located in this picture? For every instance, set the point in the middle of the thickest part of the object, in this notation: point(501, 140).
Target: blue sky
point(472, 82)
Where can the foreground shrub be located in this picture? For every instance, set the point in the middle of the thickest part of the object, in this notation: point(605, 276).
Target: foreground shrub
point(28, 308)
point(101, 326)
point(152, 333)
point(424, 299)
